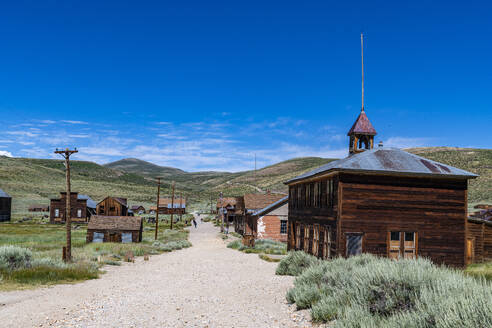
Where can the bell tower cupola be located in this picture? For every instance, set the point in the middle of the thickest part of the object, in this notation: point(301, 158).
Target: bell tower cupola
point(362, 132)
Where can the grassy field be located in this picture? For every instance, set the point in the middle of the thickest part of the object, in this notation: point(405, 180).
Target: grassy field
point(44, 243)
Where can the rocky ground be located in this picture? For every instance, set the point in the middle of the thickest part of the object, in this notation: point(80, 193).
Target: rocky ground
point(207, 285)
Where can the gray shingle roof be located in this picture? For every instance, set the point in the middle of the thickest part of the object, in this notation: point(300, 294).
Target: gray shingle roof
point(3, 194)
point(90, 202)
point(388, 161)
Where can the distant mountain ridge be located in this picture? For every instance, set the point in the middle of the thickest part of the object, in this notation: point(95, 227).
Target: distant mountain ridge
point(34, 181)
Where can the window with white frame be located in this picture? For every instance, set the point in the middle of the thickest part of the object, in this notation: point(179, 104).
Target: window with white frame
point(283, 226)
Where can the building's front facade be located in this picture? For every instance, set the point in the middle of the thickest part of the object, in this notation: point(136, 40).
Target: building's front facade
point(112, 206)
point(382, 201)
point(115, 229)
point(81, 208)
point(271, 221)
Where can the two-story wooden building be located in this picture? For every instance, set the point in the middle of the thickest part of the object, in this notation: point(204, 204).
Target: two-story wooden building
point(82, 208)
point(383, 201)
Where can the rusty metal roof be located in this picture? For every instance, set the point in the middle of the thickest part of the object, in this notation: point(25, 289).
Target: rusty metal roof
point(126, 223)
point(362, 125)
point(273, 206)
point(388, 161)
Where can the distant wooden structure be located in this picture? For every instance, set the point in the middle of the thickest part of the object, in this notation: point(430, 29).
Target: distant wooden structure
point(83, 207)
point(478, 240)
point(138, 209)
point(5, 206)
point(271, 221)
point(231, 207)
point(383, 201)
point(39, 208)
point(168, 206)
point(112, 206)
point(115, 229)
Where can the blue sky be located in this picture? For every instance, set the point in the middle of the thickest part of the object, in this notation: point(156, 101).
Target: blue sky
point(203, 85)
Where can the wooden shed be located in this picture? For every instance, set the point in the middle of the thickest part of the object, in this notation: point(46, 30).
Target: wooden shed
point(478, 240)
point(383, 201)
point(83, 207)
point(138, 209)
point(271, 221)
point(112, 206)
point(5, 206)
point(115, 229)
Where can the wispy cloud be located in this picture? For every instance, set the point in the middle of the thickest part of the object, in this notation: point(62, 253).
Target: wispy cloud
point(74, 122)
point(403, 142)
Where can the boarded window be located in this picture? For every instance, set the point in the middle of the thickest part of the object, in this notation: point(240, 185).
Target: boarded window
point(283, 226)
point(126, 237)
point(354, 244)
point(98, 237)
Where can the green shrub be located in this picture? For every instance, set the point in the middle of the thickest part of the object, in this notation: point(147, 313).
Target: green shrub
point(236, 244)
point(366, 291)
point(295, 263)
point(14, 257)
point(50, 275)
point(268, 246)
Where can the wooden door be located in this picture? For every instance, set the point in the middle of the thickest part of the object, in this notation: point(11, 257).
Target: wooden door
point(470, 250)
point(298, 236)
point(115, 238)
point(409, 245)
point(316, 240)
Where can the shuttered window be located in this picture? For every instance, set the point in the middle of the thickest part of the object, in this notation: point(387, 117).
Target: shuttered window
point(316, 240)
point(354, 244)
point(298, 236)
point(402, 244)
point(306, 238)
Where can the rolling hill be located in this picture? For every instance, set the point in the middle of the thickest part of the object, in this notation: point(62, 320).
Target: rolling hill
point(36, 180)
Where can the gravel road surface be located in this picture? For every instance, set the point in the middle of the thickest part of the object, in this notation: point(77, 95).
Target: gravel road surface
point(207, 285)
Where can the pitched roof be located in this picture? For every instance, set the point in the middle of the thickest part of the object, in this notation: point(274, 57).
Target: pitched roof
point(128, 223)
point(259, 201)
point(228, 201)
point(4, 194)
point(136, 207)
point(120, 200)
point(391, 161)
point(362, 125)
point(273, 206)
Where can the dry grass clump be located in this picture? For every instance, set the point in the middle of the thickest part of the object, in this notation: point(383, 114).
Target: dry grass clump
point(366, 291)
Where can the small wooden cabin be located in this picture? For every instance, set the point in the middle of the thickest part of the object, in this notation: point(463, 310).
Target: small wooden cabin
point(112, 206)
point(115, 229)
point(39, 208)
point(271, 221)
point(5, 206)
point(83, 207)
point(383, 201)
point(478, 240)
point(253, 203)
point(138, 209)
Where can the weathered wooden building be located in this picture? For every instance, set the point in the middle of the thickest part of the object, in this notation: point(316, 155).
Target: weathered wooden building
point(168, 206)
point(115, 229)
point(139, 209)
point(112, 206)
point(478, 240)
point(82, 208)
point(252, 203)
point(271, 221)
point(39, 208)
point(5, 206)
point(231, 207)
point(383, 201)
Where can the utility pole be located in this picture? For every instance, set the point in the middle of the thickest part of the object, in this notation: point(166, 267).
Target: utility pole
point(180, 206)
point(172, 206)
point(211, 206)
point(67, 254)
point(157, 211)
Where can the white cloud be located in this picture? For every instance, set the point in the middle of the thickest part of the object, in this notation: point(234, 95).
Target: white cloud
point(5, 153)
point(403, 142)
point(73, 122)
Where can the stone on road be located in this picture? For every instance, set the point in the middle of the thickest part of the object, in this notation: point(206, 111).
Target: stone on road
point(207, 285)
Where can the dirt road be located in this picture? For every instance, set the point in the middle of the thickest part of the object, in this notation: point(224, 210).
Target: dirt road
point(207, 285)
